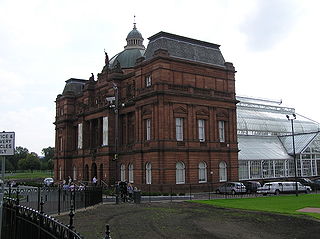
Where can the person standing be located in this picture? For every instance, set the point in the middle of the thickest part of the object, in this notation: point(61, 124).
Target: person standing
point(94, 181)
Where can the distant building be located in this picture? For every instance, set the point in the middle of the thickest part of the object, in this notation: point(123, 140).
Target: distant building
point(265, 141)
point(162, 116)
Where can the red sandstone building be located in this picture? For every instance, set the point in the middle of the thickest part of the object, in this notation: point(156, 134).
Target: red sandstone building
point(159, 116)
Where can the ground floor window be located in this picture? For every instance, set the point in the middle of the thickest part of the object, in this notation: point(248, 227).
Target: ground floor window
point(148, 173)
point(130, 169)
point(202, 172)
point(223, 171)
point(180, 173)
point(123, 172)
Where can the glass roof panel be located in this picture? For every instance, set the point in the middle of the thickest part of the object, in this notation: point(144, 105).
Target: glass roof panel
point(261, 148)
point(301, 141)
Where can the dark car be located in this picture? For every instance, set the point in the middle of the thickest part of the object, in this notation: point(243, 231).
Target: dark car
point(252, 186)
point(314, 184)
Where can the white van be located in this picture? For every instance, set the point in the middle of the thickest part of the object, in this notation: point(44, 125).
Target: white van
point(282, 187)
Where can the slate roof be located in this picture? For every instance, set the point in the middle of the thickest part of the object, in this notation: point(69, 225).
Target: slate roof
point(185, 48)
point(74, 86)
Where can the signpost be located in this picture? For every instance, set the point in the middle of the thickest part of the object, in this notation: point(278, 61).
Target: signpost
point(6, 148)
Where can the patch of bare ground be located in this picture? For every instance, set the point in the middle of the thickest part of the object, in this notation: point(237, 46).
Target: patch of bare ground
point(188, 220)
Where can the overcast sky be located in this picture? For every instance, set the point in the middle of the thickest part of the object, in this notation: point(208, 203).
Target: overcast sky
point(274, 45)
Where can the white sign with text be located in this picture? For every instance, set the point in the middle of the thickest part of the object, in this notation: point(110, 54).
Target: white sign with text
point(6, 143)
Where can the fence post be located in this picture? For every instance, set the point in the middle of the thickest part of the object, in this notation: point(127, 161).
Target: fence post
point(41, 205)
point(10, 190)
point(107, 232)
point(171, 194)
point(59, 196)
point(190, 192)
point(149, 193)
point(38, 208)
point(71, 227)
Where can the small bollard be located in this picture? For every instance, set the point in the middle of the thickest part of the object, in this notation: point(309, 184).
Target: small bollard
point(71, 215)
point(41, 205)
point(107, 232)
point(117, 199)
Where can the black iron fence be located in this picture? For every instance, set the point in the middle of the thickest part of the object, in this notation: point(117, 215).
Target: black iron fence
point(56, 199)
point(20, 222)
point(205, 191)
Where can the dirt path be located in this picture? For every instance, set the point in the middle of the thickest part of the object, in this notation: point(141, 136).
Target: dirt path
point(188, 220)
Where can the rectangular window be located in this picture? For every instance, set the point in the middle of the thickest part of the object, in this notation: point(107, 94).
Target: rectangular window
point(148, 81)
point(201, 130)
point(105, 131)
point(179, 129)
point(221, 131)
point(80, 136)
point(148, 129)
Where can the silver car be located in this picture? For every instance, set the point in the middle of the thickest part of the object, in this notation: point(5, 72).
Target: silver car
point(231, 188)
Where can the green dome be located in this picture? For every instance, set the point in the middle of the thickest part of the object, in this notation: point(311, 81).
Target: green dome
point(132, 51)
point(126, 58)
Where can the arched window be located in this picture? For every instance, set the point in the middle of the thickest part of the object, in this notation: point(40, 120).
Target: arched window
point(180, 173)
point(130, 169)
point(148, 173)
point(74, 176)
point(123, 172)
point(223, 171)
point(202, 172)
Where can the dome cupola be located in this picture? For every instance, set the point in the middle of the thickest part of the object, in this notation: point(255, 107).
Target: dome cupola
point(132, 51)
point(134, 39)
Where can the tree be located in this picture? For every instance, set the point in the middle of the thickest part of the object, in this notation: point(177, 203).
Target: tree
point(20, 153)
point(31, 162)
point(47, 160)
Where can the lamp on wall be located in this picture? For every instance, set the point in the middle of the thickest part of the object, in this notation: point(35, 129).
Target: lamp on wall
point(291, 118)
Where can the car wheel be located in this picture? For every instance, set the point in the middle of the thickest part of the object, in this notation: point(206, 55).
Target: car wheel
point(277, 192)
point(308, 191)
point(218, 191)
point(233, 192)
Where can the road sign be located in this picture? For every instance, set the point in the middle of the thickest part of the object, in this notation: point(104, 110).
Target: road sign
point(6, 143)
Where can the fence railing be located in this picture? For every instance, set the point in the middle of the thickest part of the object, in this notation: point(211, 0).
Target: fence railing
point(20, 222)
point(56, 199)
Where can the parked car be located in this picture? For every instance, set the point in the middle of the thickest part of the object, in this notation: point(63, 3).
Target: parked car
point(48, 182)
point(315, 184)
point(232, 188)
point(252, 186)
point(282, 187)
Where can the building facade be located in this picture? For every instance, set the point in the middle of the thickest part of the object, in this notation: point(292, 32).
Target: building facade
point(162, 115)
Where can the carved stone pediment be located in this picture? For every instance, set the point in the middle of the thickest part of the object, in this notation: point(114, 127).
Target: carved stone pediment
point(202, 112)
point(180, 110)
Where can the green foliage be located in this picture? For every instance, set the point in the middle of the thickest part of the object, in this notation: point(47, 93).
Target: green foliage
point(47, 160)
point(20, 153)
point(280, 204)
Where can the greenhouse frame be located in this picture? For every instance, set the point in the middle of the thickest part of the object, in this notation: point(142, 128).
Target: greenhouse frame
point(266, 143)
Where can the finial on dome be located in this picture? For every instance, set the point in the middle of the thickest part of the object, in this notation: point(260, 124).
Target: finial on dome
point(134, 21)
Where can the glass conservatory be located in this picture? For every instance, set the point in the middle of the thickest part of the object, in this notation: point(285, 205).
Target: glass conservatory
point(265, 141)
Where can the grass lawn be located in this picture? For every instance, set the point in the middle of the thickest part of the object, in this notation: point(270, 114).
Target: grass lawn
point(29, 175)
point(288, 204)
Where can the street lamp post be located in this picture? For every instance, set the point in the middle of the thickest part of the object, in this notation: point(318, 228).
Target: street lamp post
point(294, 151)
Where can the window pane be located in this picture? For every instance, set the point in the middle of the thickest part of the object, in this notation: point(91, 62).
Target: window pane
point(221, 131)
point(201, 130)
point(179, 129)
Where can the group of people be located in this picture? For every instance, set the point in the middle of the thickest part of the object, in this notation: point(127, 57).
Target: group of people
point(125, 190)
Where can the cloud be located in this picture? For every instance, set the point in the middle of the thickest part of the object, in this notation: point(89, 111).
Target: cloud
point(33, 127)
point(269, 22)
